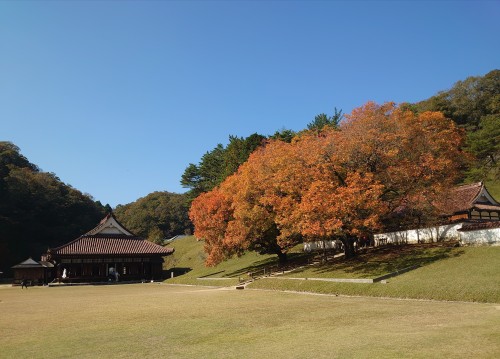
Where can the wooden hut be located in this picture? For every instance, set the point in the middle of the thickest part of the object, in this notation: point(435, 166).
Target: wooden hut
point(34, 272)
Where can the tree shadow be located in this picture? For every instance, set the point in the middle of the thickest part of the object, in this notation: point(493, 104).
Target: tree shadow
point(271, 265)
point(177, 271)
point(383, 260)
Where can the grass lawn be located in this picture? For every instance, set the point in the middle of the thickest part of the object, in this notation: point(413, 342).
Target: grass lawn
point(377, 262)
point(446, 272)
point(459, 274)
point(159, 320)
point(189, 259)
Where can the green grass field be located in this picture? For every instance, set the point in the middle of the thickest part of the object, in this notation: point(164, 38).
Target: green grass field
point(459, 274)
point(171, 321)
point(189, 256)
point(446, 272)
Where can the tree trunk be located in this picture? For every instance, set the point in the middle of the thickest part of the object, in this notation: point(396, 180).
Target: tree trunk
point(349, 249)
point(282, 257)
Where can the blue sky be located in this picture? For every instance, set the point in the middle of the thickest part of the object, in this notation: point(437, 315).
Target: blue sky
point(118, 97)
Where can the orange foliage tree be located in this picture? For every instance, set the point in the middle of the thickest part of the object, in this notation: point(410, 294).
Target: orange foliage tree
point(417, 158)
point(335, 184)
point(211, 211)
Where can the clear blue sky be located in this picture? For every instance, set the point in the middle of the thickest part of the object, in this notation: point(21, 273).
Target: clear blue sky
point(117, 98)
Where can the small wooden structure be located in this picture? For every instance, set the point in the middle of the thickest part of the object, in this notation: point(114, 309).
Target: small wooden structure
point(34, 272)
point(109, 252)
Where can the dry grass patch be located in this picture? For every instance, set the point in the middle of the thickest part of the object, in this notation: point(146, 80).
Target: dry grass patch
point(157, 320)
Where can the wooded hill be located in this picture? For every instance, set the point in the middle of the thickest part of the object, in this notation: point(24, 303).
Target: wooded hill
point(474, 105)
point(37, 210)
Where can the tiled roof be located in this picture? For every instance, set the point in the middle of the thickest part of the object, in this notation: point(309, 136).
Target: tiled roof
point(479, 225)
point(31, 263)
point(462, 198)
point(111, 244)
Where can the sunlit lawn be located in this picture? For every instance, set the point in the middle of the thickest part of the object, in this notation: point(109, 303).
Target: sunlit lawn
point(165, 321)
point(460, 274)
point(446, 272)
point(378, 261)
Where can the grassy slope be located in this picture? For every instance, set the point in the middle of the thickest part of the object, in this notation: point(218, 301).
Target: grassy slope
point(467, 274)
point(447, 273)
point(189, 255)
point(162, 321)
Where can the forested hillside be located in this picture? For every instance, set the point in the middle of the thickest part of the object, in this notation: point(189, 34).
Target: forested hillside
point(37, 210)
point(157, 216)
point(474, 104)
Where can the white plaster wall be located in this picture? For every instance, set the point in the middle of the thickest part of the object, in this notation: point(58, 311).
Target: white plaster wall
point(489, 236)
point(320, 245)
point(111, 230)
point(426, 235)
point(446, 232)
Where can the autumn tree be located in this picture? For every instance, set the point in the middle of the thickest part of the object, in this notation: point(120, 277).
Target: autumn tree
point(211, 212)
point(235, 216)
point(333, 184)
point(417, 157)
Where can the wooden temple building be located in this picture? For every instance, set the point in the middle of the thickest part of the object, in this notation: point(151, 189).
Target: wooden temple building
point(109, 252)
point(471, 202)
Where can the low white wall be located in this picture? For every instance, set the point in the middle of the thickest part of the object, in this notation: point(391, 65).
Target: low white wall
point(320, 245)
point(425, 235)
point(490, 236)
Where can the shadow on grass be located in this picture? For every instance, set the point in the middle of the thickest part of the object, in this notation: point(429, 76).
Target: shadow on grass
point(271, 264)
point(383, 260)
point(177, 271)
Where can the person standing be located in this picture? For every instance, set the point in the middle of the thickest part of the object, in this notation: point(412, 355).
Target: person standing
point(24, 283)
